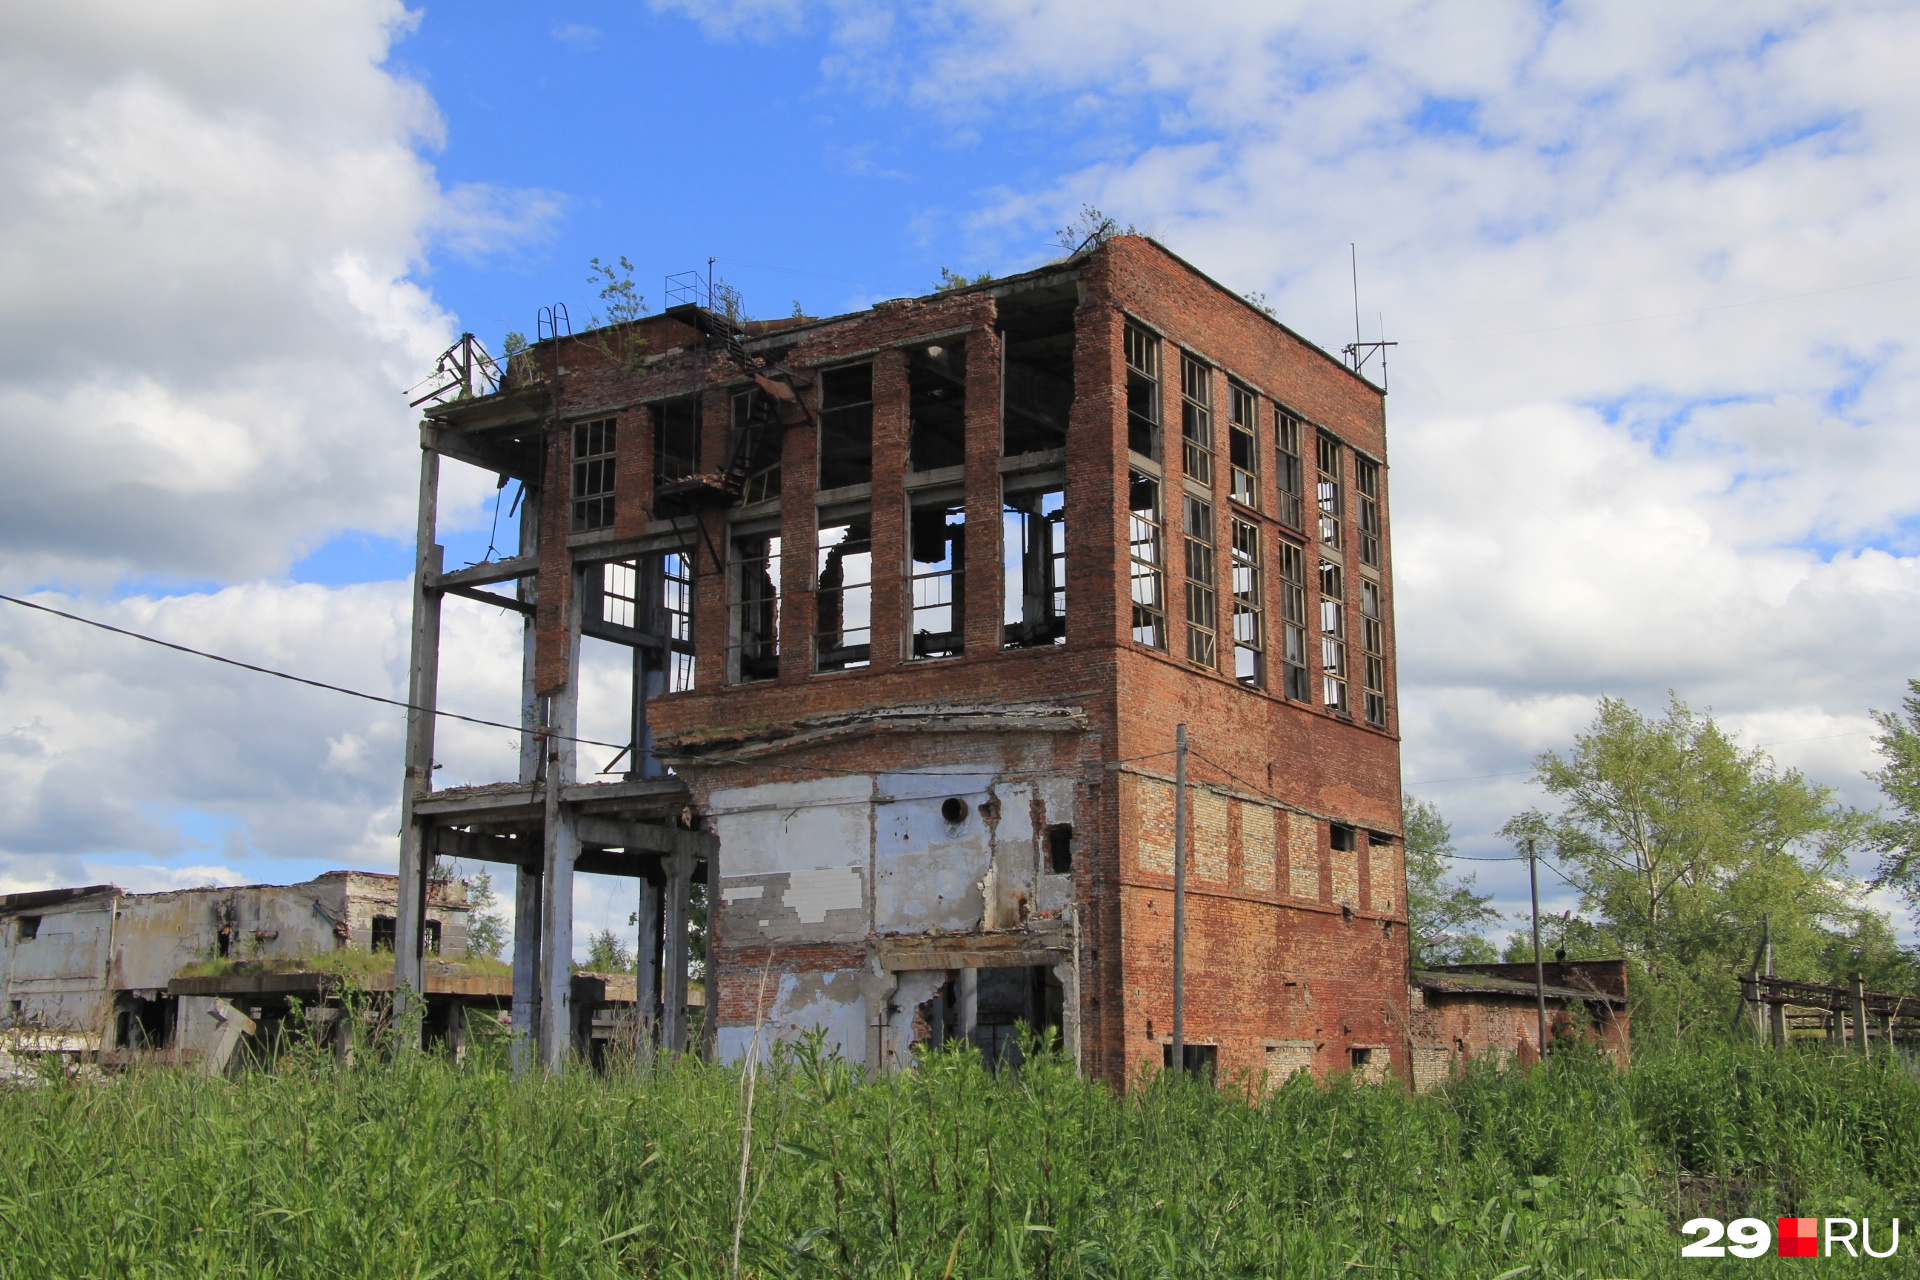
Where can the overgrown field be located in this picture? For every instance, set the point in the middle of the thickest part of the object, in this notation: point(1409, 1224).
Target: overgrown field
point(417, 1169)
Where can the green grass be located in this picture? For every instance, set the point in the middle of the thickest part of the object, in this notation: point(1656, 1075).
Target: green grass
point(356, 966)
point(414, 1168)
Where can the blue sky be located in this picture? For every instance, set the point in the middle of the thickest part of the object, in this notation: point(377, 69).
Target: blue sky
point(234, 234)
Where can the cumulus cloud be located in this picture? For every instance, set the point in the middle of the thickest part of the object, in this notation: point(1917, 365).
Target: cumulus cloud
point(211, 212)
point(1715, 501)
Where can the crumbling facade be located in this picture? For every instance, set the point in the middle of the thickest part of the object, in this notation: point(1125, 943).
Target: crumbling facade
point(1465, 1011)
point(96, 967)
point(916, 598)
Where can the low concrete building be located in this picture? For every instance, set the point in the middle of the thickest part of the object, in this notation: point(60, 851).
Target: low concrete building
point(88, 968)
point(1465, 1011)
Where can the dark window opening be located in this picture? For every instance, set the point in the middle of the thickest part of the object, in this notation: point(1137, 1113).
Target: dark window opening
point(383, 933)
point(753, 632)
point(593, 475)
point(1333, 637)
point(758, 436)
point(954, 810)
point(145, 1024)
point(1328, 490)
point(1009, 1001)
point(937, 405)
point(1293, 622)
point(1200, 1060)
point(1036, 377)
point(1373, 652)
point(1249, 607)
point(676, 440)
point(1366, 481)
point(1286, 464)
point(1033, 547)
point(846, 427)
point(937, 581)
point(1196, 419)
point(27, 929)
point(223, 942)
point(1143, 392)
point(1342, 838)
point(1362, 1058)
point(1145, 548)
point(1243, 444)
point(433, 937)
point(1060, 849)
point(1202, 614)
point(843, 596)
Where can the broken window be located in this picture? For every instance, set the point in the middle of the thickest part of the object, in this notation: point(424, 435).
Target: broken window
point(936, 580)
point(669, 582)
point(1033, 546)
point(1366, 481)
point(843, 596)
point(1146, 551)
point(753, 630)
point(1329, 490)
point(1333, 637)
point(676, 440)
point(1060, 849)
point(1243, 450)
point(1362, 1058)
point(433, 937)
point(1293, 622)
point(755, 424)
point(1286, 464)
point(1342, 838)
point(619, 593)
point(592, 475)
point(937, 405)
point(1036, 371)
point(27, 928)
point(1196, 419)
point(1373, 652)
point(383, 933)
point(1143, 392)
point(846, 426)
point(1196, 1059)
point(1249, 595)
point(1010, 999)
point(1202, 610)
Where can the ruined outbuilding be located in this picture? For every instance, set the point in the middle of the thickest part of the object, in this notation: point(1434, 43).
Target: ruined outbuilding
point(97, 968)
point(915, 598)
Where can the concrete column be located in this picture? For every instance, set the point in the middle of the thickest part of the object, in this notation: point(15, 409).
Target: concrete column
point(1777, 1019)
point(673, 954)
point(710, 1009)
point(967, 1004)
point(423, 680)
point(526, 969)
point(561, 848)
point(1861, 1036)
point(646, 977)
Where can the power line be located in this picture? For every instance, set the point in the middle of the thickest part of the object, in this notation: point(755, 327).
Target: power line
point(286, 675)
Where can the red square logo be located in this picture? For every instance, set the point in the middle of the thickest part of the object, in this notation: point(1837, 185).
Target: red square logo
point(1799, 1237)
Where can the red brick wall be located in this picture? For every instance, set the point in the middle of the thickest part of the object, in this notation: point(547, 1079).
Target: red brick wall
point(1245, 944)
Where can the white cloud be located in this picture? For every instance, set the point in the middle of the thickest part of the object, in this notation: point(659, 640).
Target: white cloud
point(209, 218)
point(1717, 502)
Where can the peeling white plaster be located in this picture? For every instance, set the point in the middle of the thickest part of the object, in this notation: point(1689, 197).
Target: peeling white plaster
point(814, 893)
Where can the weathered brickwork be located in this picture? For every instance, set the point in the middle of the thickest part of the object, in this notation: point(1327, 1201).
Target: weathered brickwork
point(1296, 950)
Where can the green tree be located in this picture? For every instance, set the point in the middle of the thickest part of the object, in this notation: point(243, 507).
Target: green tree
point(486, 928)
point(1898, 837)
point(607, 952)
point(1679, 842)
point(1443, 915)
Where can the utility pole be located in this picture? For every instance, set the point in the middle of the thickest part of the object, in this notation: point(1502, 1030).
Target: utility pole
point(1539, 967)
point(1179, 1054)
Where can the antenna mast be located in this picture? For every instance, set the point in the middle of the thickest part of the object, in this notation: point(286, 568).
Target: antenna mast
point(1358, 352)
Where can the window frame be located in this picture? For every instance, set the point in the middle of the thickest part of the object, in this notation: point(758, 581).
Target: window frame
point(1249, 601)
point(1202, 581)
point(1147, 532)
point(1142, 352)
point(1333, 639)
point(592, 475)
point(1196, 418)
point(1294, 663)
point(740, 607)
point(1289, 473)
point(1243, 442)
point(954, 576)
point(822, 553)
point(1330, 500)
point(1366, 487)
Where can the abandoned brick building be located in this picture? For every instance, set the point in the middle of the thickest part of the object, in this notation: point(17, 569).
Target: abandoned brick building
point(916, 598)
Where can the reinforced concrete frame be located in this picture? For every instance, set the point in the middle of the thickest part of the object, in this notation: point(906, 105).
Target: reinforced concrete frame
point(546, 823)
